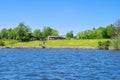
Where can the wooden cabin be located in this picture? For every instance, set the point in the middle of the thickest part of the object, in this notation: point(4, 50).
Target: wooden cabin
point(55, 37)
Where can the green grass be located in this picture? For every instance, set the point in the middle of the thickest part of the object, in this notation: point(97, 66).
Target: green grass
point(21, 44)
point(85, 42)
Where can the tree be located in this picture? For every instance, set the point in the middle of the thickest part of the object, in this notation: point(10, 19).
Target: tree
point(11, 33)
point(2, 43)
point(116, 35)
point(102, 32)
point(99, 34)
point(104, 45)
point(22, 32)
point(3, 33)
point(80, 35)
point(54, 32)
point(84, 35)
point(37, 33)
point(48, 31)
point(69, 35)
point(109, 30)
point(116, 29)
point(87, 34)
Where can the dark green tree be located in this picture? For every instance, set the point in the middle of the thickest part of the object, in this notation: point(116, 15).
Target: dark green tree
point(4, 33)
point(84, 34)
point(101, 33)
point(48, 31)
point(109, 30)
point(11, 33)
point(2, 43)
point(54, 32)
point(22, 32)
point(37, 33)
point(69, 35)
point(80, 35)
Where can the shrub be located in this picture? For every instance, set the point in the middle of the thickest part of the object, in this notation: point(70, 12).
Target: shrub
point(100, 45)
point(104, 45)
point(2, 43)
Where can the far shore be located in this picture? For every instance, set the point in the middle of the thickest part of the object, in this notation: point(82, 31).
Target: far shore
point(71, 47)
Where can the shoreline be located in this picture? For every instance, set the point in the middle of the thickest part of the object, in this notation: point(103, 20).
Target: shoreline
point(52, 47)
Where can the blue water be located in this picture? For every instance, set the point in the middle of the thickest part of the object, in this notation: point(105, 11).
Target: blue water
point(59, 64)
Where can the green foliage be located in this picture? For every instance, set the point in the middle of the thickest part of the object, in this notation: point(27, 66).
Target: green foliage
point(48, 31)
point(37, 33)
point(11, 33)
point(100, 33)
point(84, 35)
point(100, 45)
point(116, 35)
point(54, 32)
point(116, 43)
point(3, 33)
point(69, 35)
point(104, 45)
point(7, 33)
point(11, 43)
point(2, 43)
point(109, 30)
point(22, 32)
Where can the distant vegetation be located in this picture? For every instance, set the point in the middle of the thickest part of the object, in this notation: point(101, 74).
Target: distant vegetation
point(2, 43)
point(116, 35)
point(23, 33)
point(100, 33)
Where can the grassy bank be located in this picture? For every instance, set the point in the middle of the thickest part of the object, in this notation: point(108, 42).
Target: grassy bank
point(67, 43)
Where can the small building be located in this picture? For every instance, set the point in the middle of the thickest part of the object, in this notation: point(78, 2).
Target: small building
point(42, 38)
point(37, 38)
point(34, 38)
point(55, 37)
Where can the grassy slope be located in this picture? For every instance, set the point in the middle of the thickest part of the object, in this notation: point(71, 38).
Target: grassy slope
point(86, 42)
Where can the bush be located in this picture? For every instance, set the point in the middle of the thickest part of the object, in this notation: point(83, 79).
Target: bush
point(116, 43)
point(100, 45)
point(104, 45)
point(2, 43)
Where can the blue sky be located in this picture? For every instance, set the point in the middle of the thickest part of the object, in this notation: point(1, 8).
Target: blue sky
point(63, 15)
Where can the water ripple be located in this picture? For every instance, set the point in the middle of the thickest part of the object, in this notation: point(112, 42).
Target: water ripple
point(59, 64)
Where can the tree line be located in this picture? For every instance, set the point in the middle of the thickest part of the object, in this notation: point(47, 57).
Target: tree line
point(100, 33)
point(23, 32)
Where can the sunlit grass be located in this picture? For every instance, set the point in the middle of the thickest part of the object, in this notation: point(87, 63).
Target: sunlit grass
point(86, 42)
point(83, 42)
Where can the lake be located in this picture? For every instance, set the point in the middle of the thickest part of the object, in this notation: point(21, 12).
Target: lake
point(59, 64)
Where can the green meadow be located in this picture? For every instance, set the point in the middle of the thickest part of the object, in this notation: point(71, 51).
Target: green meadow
point(66, 43)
